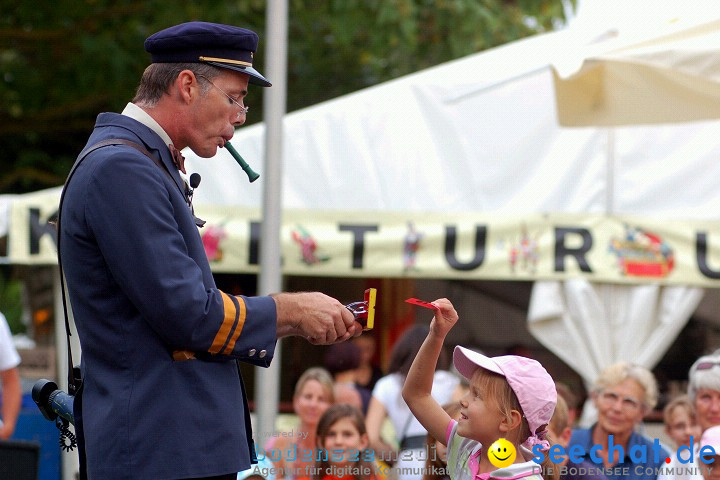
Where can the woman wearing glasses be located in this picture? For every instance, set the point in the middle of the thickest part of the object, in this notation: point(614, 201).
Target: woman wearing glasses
point(623, 394)
point(704, 393)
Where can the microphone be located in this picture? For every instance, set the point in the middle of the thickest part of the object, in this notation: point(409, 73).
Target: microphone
point(52, 401)
point(195, 180)
point(252, 176)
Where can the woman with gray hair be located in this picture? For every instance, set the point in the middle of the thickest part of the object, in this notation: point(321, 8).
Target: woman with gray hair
point(704, 389)
point(704, 393)
point(623, 394)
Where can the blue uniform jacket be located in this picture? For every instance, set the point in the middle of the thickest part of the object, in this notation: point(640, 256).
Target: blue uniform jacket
point(141, 288)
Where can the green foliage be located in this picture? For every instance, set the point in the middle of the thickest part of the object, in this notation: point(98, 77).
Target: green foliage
point(340, 46)
point(11, 302)
point(63, 62)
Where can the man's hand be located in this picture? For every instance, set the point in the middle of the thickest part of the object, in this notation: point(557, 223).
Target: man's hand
point(321, 319)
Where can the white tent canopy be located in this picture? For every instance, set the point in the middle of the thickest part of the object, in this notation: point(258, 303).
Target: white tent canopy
point(474, 135)
point(480, 135)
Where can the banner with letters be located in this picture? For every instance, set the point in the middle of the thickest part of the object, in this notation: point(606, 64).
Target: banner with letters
point(617, 249)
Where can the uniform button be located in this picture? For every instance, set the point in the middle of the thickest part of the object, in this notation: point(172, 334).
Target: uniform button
point(262, 353)
point(251, 352)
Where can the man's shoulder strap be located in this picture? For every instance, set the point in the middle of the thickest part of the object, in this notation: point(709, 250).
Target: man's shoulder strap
point(73, 382)
point(114, 141)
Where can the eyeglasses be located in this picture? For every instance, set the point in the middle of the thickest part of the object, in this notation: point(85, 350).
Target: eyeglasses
point(243, 109)
point(706, 365)
point(627, 403)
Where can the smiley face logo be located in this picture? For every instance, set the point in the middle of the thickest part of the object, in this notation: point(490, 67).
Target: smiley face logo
point(502, 453)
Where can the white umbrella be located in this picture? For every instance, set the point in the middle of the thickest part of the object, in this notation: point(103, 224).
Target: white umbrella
point(666, 72)
point(662, 70)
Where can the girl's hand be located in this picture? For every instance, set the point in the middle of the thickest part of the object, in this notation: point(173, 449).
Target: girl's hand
point(445, 317)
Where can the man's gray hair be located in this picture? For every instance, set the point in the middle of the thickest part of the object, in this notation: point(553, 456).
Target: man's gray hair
point(158, 77)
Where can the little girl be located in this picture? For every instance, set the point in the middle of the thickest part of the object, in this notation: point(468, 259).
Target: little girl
point(510, 397)
point(343, 441)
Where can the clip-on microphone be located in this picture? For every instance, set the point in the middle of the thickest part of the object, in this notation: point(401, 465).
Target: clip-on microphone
point(190, 187)
point(194, 180)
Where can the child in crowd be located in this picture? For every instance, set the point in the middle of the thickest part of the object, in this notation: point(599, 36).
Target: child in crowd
point(680, 424)
point(682, 428)
point(559, 432)
point(342, 442)
point(510, 398)
point(436, 463)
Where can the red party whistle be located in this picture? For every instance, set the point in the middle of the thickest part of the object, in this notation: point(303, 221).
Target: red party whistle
point(421, 303)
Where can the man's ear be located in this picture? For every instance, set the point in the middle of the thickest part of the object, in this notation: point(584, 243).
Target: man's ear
point(187, 86)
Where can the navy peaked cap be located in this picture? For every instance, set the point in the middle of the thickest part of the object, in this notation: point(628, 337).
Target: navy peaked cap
point(223, 46)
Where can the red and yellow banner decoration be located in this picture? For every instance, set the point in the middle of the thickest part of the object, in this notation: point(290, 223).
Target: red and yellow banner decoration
point(616, 249)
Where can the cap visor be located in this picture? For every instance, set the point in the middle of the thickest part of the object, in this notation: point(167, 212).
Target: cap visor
point(467, 361)
point(255, 77)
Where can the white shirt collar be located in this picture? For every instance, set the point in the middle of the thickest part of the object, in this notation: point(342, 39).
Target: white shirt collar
point(136, 113)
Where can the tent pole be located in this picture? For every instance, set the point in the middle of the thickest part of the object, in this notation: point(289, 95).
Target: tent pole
point(267, 382)
point(610, 179)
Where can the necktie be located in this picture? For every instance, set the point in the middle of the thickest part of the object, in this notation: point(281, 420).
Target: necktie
point(178, 158)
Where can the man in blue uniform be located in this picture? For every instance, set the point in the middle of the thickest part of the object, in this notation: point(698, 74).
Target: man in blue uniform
point(162, 397)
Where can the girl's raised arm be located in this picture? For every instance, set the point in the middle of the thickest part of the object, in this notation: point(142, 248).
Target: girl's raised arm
point(418, 384)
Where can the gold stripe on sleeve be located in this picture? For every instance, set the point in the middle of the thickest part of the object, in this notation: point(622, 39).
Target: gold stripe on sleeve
point(238, 329)
point(227, 324)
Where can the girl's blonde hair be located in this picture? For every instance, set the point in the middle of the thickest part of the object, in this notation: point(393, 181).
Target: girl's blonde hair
point(365, 466)
point(321, 376)
point(560, 419)
point(681, 401)
point(496, 390)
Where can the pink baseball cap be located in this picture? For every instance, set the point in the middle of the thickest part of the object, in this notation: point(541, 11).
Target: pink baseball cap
point(532, 384)
point(711, 437)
